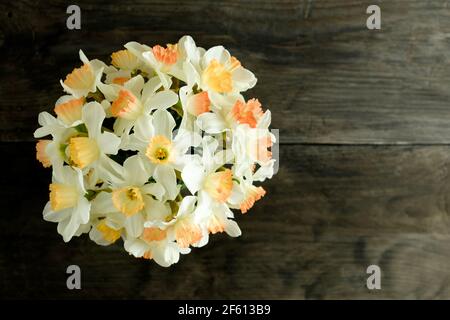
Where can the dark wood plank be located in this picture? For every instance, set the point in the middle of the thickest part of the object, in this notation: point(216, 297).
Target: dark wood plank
point(329, 213)
point(325, 76)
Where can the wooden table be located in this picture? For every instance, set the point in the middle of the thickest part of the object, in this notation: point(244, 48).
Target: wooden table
point(364, 119)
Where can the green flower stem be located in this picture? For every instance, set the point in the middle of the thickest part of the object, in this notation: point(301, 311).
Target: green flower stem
point(97, 96)
point(91, 194)
point(178, 108)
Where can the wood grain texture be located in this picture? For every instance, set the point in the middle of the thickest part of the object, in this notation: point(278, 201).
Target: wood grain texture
point(364, 124)
point(329, 213)
point(326, 78)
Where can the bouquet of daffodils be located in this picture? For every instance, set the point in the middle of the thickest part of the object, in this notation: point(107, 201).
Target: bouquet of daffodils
point(156, 149)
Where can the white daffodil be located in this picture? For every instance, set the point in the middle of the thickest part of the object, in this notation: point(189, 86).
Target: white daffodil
point(221, 75)
point(163, 152)
point(245, 193)
point(105, 231)
point(265, 171)
point(216, 218)
point(189, 60)
point(164, 241)
point(42, 155)
point(192, 59)
point(68, 205)
point(137, 49)
point(125, 60)
point(68, 110)
point(116, 76)
point(90, 150)
point(51, 152)
point(179, 60)
point(232, 113)
point(84, 80)
point(204, 175)
point(158, 60)
point(193, 105)
point(132, 196)
point(185, 226)
point(250, 146)
point(124, 65)
point(68, 115)
point(135, 100)
point(153, 244)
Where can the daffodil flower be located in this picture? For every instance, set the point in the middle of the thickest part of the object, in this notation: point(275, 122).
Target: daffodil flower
point(136, 100)
point(49, 152)
point(232, 113)
point(68, 205)
point(217, 218)
point(84, 80)
point(250, 146)
point(154, 245)
point(176, 60)
point(163, 152)
point(68, 115)
point(131, 201)
point(203, 175)
point(221, 75)
point(193, 105)
point(125, 60)
point(68, 112)
point(124, 65)
point(91, 150)
point(164, 241)
point(166, 55)
point(104, 231)
point(184, 227)
point(245, 193)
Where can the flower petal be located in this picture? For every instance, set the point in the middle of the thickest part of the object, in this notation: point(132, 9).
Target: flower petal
point(93, 116)
point(218, 53)
point(134, 225)
point(137, 49)
point(193, 176)
point(135, 85)
point(187, 206)
point(166, 254)
point(232, 228)
point(161, 100)
point(67, 228)
point(150, 88)
point(211, 123)
point(143, 129)
point(243, 79)
point(48, 122)
point(163, 123)
point(55, 216)
point(102, 204)
point(82, 210)
point(134, 171)
point(136, 247)
point(155, 210)
point(108, 143)
point(155, 189)
point(165, 175)
point(110, 91)
point(186, 139)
